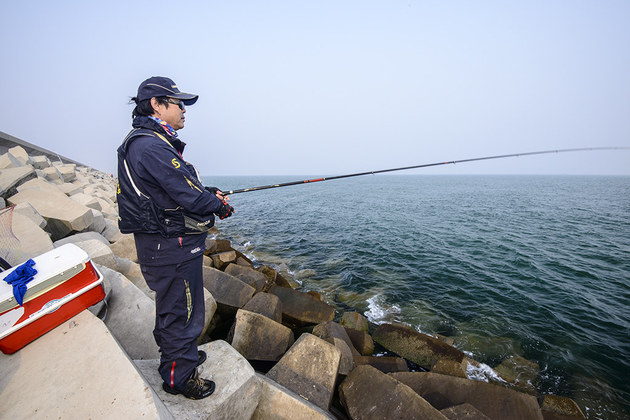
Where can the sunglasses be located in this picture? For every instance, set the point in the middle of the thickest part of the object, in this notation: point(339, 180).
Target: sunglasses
point(180, 104)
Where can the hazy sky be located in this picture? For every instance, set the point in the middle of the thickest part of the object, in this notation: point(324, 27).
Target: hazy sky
point(328, 87)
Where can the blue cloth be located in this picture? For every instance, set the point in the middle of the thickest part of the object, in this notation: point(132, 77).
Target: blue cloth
point(19, 278)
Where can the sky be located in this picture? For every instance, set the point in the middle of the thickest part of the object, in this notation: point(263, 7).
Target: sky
point(329, 87)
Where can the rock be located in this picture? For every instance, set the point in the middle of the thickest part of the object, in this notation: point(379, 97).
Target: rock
point(278, 402)
point(11, 178)
point(368, 393)
point(98, 252)
point(130, 316)
point(81, 237)
point(66, 172)
point(98, 222)
point(52, 175)
point(111, 231)
point(237, 387)
point(27, 210)
point(331, 329)
point(6, 162)
point(257, 337)
point(556, 407)
point(519, 371)
point(207, 261)
point(39, 162)
point(18, 155)
point(241, 259)
point(70, 189)
point(301, 309)
point(346, 363)
point(38, 184)
point(451, 367)
point(222, 259)
point(77, 370)
point(361, 341)
point(309, 369)
point(229, 292)
point(133, 272)
point(464, 412)
point(28, 240)
point(211, 246)
point(223, 245)
point(265, 304)
point(273, 278)
point(210, 309)
point(494, 401)
point(419, 348)
point(250, 276)
point(385, 364)
point(355, 321)
point(62, 215)
point(87, 200)
point(125, 247)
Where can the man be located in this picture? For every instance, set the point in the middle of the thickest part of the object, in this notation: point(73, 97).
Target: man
point(162, 202)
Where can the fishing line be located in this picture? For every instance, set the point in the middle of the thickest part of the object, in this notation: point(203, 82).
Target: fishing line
point(425, 165)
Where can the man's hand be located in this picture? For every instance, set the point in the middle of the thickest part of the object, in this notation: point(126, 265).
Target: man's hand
point(217, 192)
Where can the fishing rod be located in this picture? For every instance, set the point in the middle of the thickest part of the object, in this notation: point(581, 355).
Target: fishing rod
point(425, 165)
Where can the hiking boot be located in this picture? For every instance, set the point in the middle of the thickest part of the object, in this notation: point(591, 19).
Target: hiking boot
point(195, 387)
point(202, 357)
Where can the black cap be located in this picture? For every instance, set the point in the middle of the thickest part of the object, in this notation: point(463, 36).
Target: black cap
point(163, 86)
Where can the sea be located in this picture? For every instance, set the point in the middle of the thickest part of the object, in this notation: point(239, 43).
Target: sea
point(531, 266)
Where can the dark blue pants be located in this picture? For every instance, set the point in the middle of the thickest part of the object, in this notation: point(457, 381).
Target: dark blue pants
point(179, 316)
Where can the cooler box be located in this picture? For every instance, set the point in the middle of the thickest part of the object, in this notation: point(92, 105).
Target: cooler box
point(65, 284)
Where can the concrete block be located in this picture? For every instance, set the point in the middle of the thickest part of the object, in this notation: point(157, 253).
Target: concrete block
point(130, 316)
point(309, 369)
point(280, 403)
point(355, 321)
point(361, 341)
point(87, 200)
point(301, 309)
point(111, 231)
point(237, 387)
point(29, 211)
point(368, 393)
point(210, 309)
point(464, 412)
point(125, 247)
point(11, 178)
point(257, 337)
point(265, 304)
point(223, 259)
point(6, 162)
point(98, 252)
point(385, 364)
point(40, 162)
point(98, 222)
point(66, 172)
point(39, 184)
point(229, 292)
point(78, 371)
point(18, 155)
point(254, 278)
point(28, 240)
point(62, 215)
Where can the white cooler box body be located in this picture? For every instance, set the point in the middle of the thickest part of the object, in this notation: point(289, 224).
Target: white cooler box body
point(65, 284)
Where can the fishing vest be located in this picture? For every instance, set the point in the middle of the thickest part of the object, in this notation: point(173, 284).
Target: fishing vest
point(138, 212)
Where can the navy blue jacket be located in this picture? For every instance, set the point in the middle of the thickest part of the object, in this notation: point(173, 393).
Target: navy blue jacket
point(160, 196)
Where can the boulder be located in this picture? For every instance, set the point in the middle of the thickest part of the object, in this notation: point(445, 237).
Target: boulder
point(222, 259)
point(300, 309)
point(361, 341)
point(111, 231)
point(98, 252)
point(421, 349)
point(519, 371)
point(133, 272)
point(98, 222)
point(355, 321)
point(18, 155)
point(29, 211)
point(385, 364)
point(560, 408)
point(125, 247)
point(210, 307)
point(257, 337)
point(309, 368)
point(451, 367)
point(66, 172)
point(87, 200)
point(11, 178)
point(38, 184)
point(346, 363)
point(229, 292)
point(77, 370)
point(368, 393)
point(62, 215)
point(464, 412)
point(265, 304)
point(278, 402)
point(81, 237)
point(237, 387)
point(273, 278)
point(130, 316)
point(331, 329)
point(250, 276)
point(6, 162)
point(494, 401)
point(39, 162)
point(52, 175)
point(28, 240)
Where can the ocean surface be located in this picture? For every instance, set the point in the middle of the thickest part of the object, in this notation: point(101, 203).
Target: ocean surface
point(530, 266)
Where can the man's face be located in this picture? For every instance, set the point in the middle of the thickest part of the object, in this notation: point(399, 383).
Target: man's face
point(172, 112)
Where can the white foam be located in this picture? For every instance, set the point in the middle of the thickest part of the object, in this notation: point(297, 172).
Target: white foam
point(482, 372)
point(379, 311)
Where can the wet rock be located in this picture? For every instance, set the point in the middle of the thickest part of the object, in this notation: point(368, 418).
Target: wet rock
point(361, 341)
point(419, 348)
point(368, 393)
point(309, 368)
point(385, 364)
point(300, 309)
point(555, 407)
point(464, 412)
point(250, 276)
point(257, 337)
point(451, 367)
point(494, 401)
point(519, 371)
point(355, 321)
point(278, 402)
point(273, 278)
point(229, 292)
point(265, 304)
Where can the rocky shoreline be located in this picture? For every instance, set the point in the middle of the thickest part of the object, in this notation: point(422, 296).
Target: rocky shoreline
point(290, 354)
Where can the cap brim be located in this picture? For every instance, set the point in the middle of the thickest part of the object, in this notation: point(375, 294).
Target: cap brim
point(187, 98)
